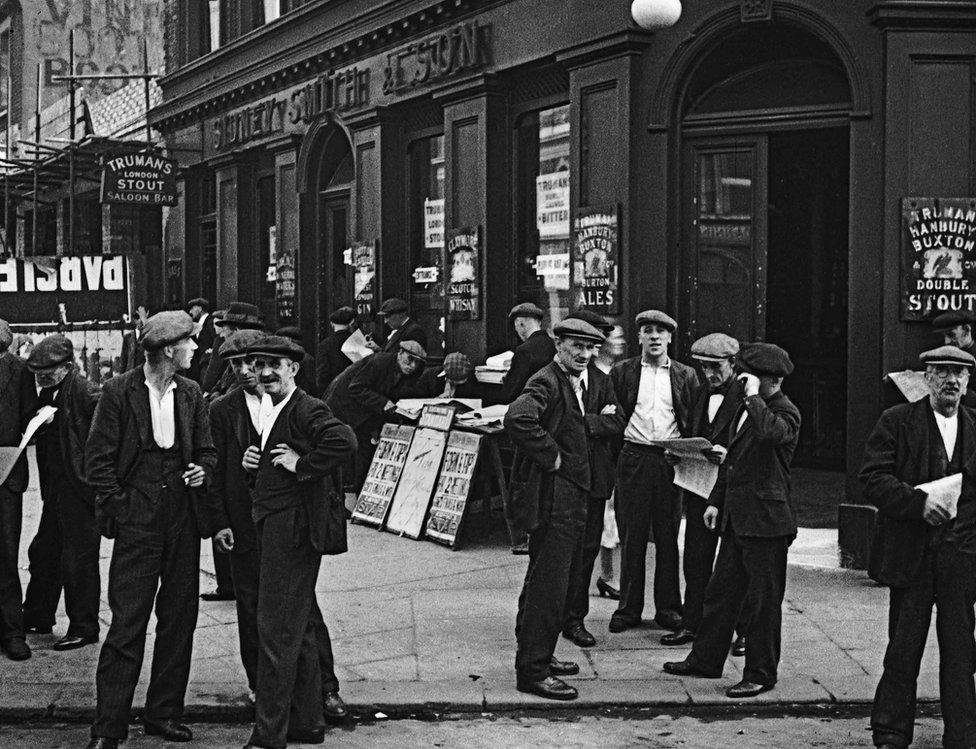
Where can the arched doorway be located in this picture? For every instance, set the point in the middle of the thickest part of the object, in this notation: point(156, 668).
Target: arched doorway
point(764, 126)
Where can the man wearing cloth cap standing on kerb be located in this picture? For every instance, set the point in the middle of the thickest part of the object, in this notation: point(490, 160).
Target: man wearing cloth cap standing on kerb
point(655, 394)
point(757, 524)
point(64, 553)
point(148, 458)
point(956, 329)
point(295, 471)
point(716, 404)
point(925, 549)
point(396, 315)
point(549, 492)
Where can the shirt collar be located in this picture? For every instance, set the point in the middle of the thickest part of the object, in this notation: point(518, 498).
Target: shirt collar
point(666, 365)
point(171, 387)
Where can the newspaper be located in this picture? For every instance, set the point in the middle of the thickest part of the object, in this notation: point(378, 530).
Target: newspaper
point(912, 384)
point(694, 472)
point(410, 408)
point(945, 491)
point(9, 455)
point(355, 346)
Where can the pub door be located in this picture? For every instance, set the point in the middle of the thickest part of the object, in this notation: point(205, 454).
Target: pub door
point(764, 258)
point(335, 275)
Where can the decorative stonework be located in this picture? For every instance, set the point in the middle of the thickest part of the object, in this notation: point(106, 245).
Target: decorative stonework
point(756, 10)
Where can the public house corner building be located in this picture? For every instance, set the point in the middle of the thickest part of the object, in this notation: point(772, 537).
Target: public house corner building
point(755, 168)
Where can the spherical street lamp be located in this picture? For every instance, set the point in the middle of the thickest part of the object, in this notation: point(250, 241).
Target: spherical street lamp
point(655, 14)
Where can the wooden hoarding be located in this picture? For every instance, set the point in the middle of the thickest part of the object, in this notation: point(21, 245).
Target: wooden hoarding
point(453, 488)
point(384, 474)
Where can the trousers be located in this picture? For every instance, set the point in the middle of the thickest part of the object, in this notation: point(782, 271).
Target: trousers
point(581, 571)
point(11, 594)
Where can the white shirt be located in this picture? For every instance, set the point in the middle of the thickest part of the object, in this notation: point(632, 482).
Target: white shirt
point(653, 417)
point(254, 405)
point(948, 428)
point(162, 409)
point(578, 381)
point(268, 421)
point(715, 401)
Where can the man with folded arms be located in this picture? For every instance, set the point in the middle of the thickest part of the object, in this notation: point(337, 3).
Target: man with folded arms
point(758, 526)
point(550, 490)
point(925, 549)
point(302, 448)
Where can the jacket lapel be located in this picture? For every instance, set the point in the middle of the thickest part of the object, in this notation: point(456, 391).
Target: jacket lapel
point(241, 418)
point(184, 420)
point(139, 403)
point(6, 370)
point(725, 413)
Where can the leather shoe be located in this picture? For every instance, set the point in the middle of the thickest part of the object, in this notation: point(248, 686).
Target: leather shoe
point(739, 646)
point(38, 630)
point(103, 742)
point(306, 736)
point(681, 637)
point(333, 708)
point(686, 668)
point(73, 642)
point(668, 619)
point(168, 729)
point(606, 589)
point(747, 689)
point(580, 636)
point(16, 649)
point(551, 687)
point(522, 547)
point(621, 624)
point(562, 668)
point(217, 595)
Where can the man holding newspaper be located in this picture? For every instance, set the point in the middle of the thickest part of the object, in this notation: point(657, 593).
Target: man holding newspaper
point(918, 471)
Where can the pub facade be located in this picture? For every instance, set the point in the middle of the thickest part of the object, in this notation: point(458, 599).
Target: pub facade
point(749, 169)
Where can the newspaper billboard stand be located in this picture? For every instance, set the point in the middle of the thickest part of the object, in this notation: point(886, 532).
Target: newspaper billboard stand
point(385, 470)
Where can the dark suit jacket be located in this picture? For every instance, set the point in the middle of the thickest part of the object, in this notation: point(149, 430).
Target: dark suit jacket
point(684, 385)
point(122, 428)
point(719, 431)
point(896, 460)
point(544, 422)
point(18, 402)
point(529, 357)
point(329, 359)
point(757, 475)
point(430, 385)
point(603, 431)
point(75, 402)
point(324, 444)
point(213, 373)
point(230, 493)
point(409, 331)
point(359, 395)
point(205, 345)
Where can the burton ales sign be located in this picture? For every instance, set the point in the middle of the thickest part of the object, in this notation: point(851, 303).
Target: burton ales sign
point(139, 179)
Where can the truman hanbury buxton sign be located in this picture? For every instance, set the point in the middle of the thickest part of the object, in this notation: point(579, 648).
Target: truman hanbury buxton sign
point(938, 256)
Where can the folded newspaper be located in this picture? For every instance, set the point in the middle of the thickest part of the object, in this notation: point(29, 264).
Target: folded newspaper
point(484, 417)
point(945, 491)
point(9, 455)
point(694, 472)
point(910, 383)
point(410, 408)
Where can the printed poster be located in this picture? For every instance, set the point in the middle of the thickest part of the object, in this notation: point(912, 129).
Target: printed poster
point(384, 473)
point(453, 488)
point(596, 259)
point(411, 499)
point(463, 273)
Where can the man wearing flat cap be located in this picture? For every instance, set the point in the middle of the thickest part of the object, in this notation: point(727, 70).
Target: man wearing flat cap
point(148, 458)
point(330, 361)
point(716, 403)
point(453, 379)
point(925, 548)
point(956, 329)
point(367, 392)
point(533, 353)
point(295, 469)
point(757, 526)
point(18, 402)
point(656, 395)
point(204, 335)
point(550, 487)
point(402, 327)
point(64, 552)
point(217, 378)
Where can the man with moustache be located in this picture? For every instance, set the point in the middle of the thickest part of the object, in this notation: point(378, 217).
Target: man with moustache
point(64, 553)
point(656, 395)
point(956, 329)
point(302, 449)
point(758, 525)
point(715, 405)
point(925, 549)
point(551, 481)
point(148, 458)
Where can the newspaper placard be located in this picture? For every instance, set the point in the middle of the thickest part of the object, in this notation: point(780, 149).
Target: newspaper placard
point(453, 488)
point(411, 499)
point(384, 474)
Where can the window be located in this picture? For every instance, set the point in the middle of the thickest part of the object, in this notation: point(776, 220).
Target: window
point(426, 237)
point(542, 210)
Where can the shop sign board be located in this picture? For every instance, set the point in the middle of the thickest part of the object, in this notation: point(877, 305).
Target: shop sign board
point(383, 475)
point(938, 256)
point(140, 179)
point(74, 289)
point(596, 258)
point(411, 500)
point(464, 48)
point(552, 205)
point(453, 488)
point(554, 270)
point(463, 273)
point(363, 258)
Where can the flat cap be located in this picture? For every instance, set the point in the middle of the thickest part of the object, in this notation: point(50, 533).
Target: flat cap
point(343, 316)
point(765, 359)
point(714, 347)
point(597, 321)
point(6, 336)
point(277, 346)
point(414, 349)
point(165, 328)
point(237, 343)
point(52, 351)
point(657, 317)
point(525, 309)
point(947, 355)
point(457, 367)
point(949, 320)
point(392, 306)
point(291, 331)
point(198, 302)
point(242, 315)
point(573, 327)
